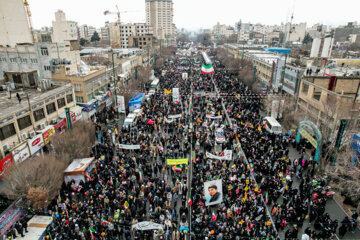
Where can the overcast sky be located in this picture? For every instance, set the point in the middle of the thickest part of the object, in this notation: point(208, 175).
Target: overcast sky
point(195, 14)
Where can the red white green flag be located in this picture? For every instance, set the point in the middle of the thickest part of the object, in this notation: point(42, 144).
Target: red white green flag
point(178, 169)
point(207, 69)
point(190, 200)
point(213, 216)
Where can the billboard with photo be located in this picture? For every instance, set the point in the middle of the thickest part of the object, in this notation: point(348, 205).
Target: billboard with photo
point(213, 192)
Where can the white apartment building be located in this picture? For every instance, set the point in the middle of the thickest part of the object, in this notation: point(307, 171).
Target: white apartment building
point(104, 32)
point(63, 30)
point(159, 15)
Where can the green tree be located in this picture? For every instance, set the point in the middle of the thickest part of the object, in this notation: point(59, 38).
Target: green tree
point(95, 37)
point(82, 41)
point(307, 39)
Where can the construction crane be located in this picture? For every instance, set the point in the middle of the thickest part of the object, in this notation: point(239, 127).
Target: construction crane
point(107, 12)
point(26, 4)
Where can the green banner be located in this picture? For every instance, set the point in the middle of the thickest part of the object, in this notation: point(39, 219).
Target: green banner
point(177, 161)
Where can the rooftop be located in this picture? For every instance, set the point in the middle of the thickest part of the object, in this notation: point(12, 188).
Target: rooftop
point(11, 105)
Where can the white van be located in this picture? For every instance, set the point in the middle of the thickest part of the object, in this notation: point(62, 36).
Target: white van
point(272, 125)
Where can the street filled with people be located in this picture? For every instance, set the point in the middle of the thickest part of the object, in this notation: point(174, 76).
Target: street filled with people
point(198, 164)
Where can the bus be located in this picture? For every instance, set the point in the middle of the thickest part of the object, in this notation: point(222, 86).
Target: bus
point(272, 125)
point(155, 84)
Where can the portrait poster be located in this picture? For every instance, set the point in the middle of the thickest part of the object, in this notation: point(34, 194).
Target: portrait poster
point(213, 192)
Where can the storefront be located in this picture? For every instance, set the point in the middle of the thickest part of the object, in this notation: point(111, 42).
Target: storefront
point(47, 134)
point(21, 152)
point(60, 126)
point(88, 109)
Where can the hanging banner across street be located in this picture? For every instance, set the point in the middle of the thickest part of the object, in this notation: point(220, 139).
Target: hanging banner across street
point(175, 116)
point(214, 117)
point(131, 147)
point(177, 161)
point(227, 155)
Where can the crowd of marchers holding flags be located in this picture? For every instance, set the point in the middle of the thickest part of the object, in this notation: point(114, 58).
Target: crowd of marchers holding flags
point(135, 192)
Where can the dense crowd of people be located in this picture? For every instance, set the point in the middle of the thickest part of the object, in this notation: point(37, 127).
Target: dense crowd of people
point(129, 186)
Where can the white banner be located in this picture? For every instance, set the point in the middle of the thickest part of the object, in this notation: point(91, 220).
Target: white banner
point(131, 147)
point(175, 116)
point(214, 117)
point(184, 76)
point(227, 155)
point(36, 144)
point(176, 95)
point(147, 226)
point(121, 104)
point(21, 152)
point(169, 121)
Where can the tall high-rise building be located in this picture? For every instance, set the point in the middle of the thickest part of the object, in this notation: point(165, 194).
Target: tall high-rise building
point(14, 23)
point(159, 14)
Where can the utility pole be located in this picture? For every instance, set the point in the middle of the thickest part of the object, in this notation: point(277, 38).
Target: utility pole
point(114, 78)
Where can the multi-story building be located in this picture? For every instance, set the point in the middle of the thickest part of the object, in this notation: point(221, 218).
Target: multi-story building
point(84, 32)
point(273, 37)
point(159, 15)
point(119, 36)
point(295, 32)
point(105, 32)
point(24, 119)
point(64, 30)
point(243, 36)
point(88, 84)
point(326, 100)
point(141, 42)
point(342, 33)
point(14, 27)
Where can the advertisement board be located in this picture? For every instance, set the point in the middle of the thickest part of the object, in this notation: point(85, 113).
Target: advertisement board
point(35, 144)
point(47, 134)
point(4, 163)
point(60, 126)
point(21, 152)
point(306, 135)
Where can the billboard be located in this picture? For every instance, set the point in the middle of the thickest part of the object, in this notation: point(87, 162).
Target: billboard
point(4, 163)
point(47, 134)
point(213, 192)
point(21, 152)
point(35, 144)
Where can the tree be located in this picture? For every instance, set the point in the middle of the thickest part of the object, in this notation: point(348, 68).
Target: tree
point(75, 144)
point(307, 39)
point(35, 181)
point(204, 39)
point(82, 41)
point(95, 37)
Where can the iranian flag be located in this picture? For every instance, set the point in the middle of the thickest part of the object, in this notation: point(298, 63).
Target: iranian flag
point(178, 169)
point(213, 216)
point(207, 69)
point(264, 125)
point(190, 200)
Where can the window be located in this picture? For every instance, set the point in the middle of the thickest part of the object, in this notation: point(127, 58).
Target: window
point(50, 108)
point(39, 114)
point(61, 102)
point(24, 122)
point(2, 59)
point(305, 88)
point(7, 131)
point(44, 51)
point(317, 94)
point(13, 60)
point(23, 60)
point(69, 98)
point(90, 96)
point(77, 87)
point(33, 60)
point(47, 68)
point(79, 99)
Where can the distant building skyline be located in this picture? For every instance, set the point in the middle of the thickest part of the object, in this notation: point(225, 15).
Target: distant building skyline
point(201, 15)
